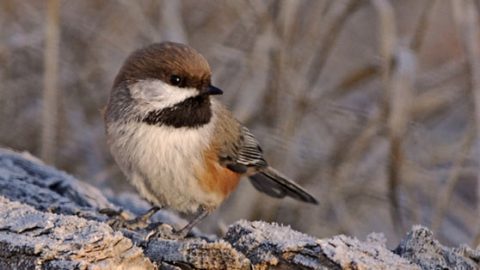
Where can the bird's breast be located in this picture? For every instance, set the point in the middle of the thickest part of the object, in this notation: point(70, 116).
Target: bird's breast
point(173, 167)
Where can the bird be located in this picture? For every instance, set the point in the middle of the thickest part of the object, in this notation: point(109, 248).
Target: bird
point(177, 144)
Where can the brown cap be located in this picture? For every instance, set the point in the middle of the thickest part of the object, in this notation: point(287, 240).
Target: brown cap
point(171, 62)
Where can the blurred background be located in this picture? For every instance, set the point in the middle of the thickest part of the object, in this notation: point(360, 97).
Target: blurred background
point(372, 105)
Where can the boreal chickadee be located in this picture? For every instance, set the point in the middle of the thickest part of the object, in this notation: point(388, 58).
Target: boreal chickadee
point(177, 144)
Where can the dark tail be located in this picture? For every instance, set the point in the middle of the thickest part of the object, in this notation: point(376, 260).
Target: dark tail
point(273, 183)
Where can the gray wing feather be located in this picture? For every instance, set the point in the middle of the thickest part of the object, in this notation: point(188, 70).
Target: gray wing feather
point(247, 157)
point(250, 154)
point(273, 183)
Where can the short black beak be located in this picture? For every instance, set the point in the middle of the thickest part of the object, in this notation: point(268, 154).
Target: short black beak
point(212, 90)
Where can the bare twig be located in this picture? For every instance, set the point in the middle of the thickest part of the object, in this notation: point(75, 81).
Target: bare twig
point(422, 26)
point(430, 103)
point(466, 18)
point(401, 94)
point(50, 91)
point(331, 36)
point(387, 46)
point(140, 21)
point(388, 37)
point(446, 192)
point(316, 65)
point(173, 26)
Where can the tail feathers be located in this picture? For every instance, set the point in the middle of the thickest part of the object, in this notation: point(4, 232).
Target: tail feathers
point(276, 185)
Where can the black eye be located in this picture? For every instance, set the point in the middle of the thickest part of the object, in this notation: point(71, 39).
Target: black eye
point(176, 80)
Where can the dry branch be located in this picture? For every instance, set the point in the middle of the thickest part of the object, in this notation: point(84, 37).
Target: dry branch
point(50, 91)
point(49, 220)
point(446, 192)
point(466, 18)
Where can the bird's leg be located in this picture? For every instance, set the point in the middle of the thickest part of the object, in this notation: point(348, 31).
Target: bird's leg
point(118, 219)
point(142, 219)
point(203, 213)
point(162, 231)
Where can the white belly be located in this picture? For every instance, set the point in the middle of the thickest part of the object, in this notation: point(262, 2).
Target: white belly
point(162, 161)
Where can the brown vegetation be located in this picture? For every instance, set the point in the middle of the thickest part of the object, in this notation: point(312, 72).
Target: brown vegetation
point(372, 105)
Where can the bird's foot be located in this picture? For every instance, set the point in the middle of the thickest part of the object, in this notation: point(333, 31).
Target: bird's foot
point(120, 219)
point(170, 233)
point(117, 219)
point(165, 231)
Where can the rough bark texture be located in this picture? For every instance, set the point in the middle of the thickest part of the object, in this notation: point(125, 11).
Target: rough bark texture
point(49, 220)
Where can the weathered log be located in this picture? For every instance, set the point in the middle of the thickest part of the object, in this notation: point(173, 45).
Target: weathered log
point(50, 220)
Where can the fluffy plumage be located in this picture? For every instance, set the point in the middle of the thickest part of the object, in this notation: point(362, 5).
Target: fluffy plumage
point(175, 143)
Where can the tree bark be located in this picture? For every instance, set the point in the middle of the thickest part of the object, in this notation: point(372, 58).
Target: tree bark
point(50, 220)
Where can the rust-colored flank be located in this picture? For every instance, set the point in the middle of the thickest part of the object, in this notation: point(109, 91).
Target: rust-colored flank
point(216, 178)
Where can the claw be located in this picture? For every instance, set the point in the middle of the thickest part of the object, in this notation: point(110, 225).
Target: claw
point(165, 231)
point(118, 219)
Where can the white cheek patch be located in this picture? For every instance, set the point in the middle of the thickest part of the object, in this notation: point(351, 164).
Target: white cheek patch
point(159, 94)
